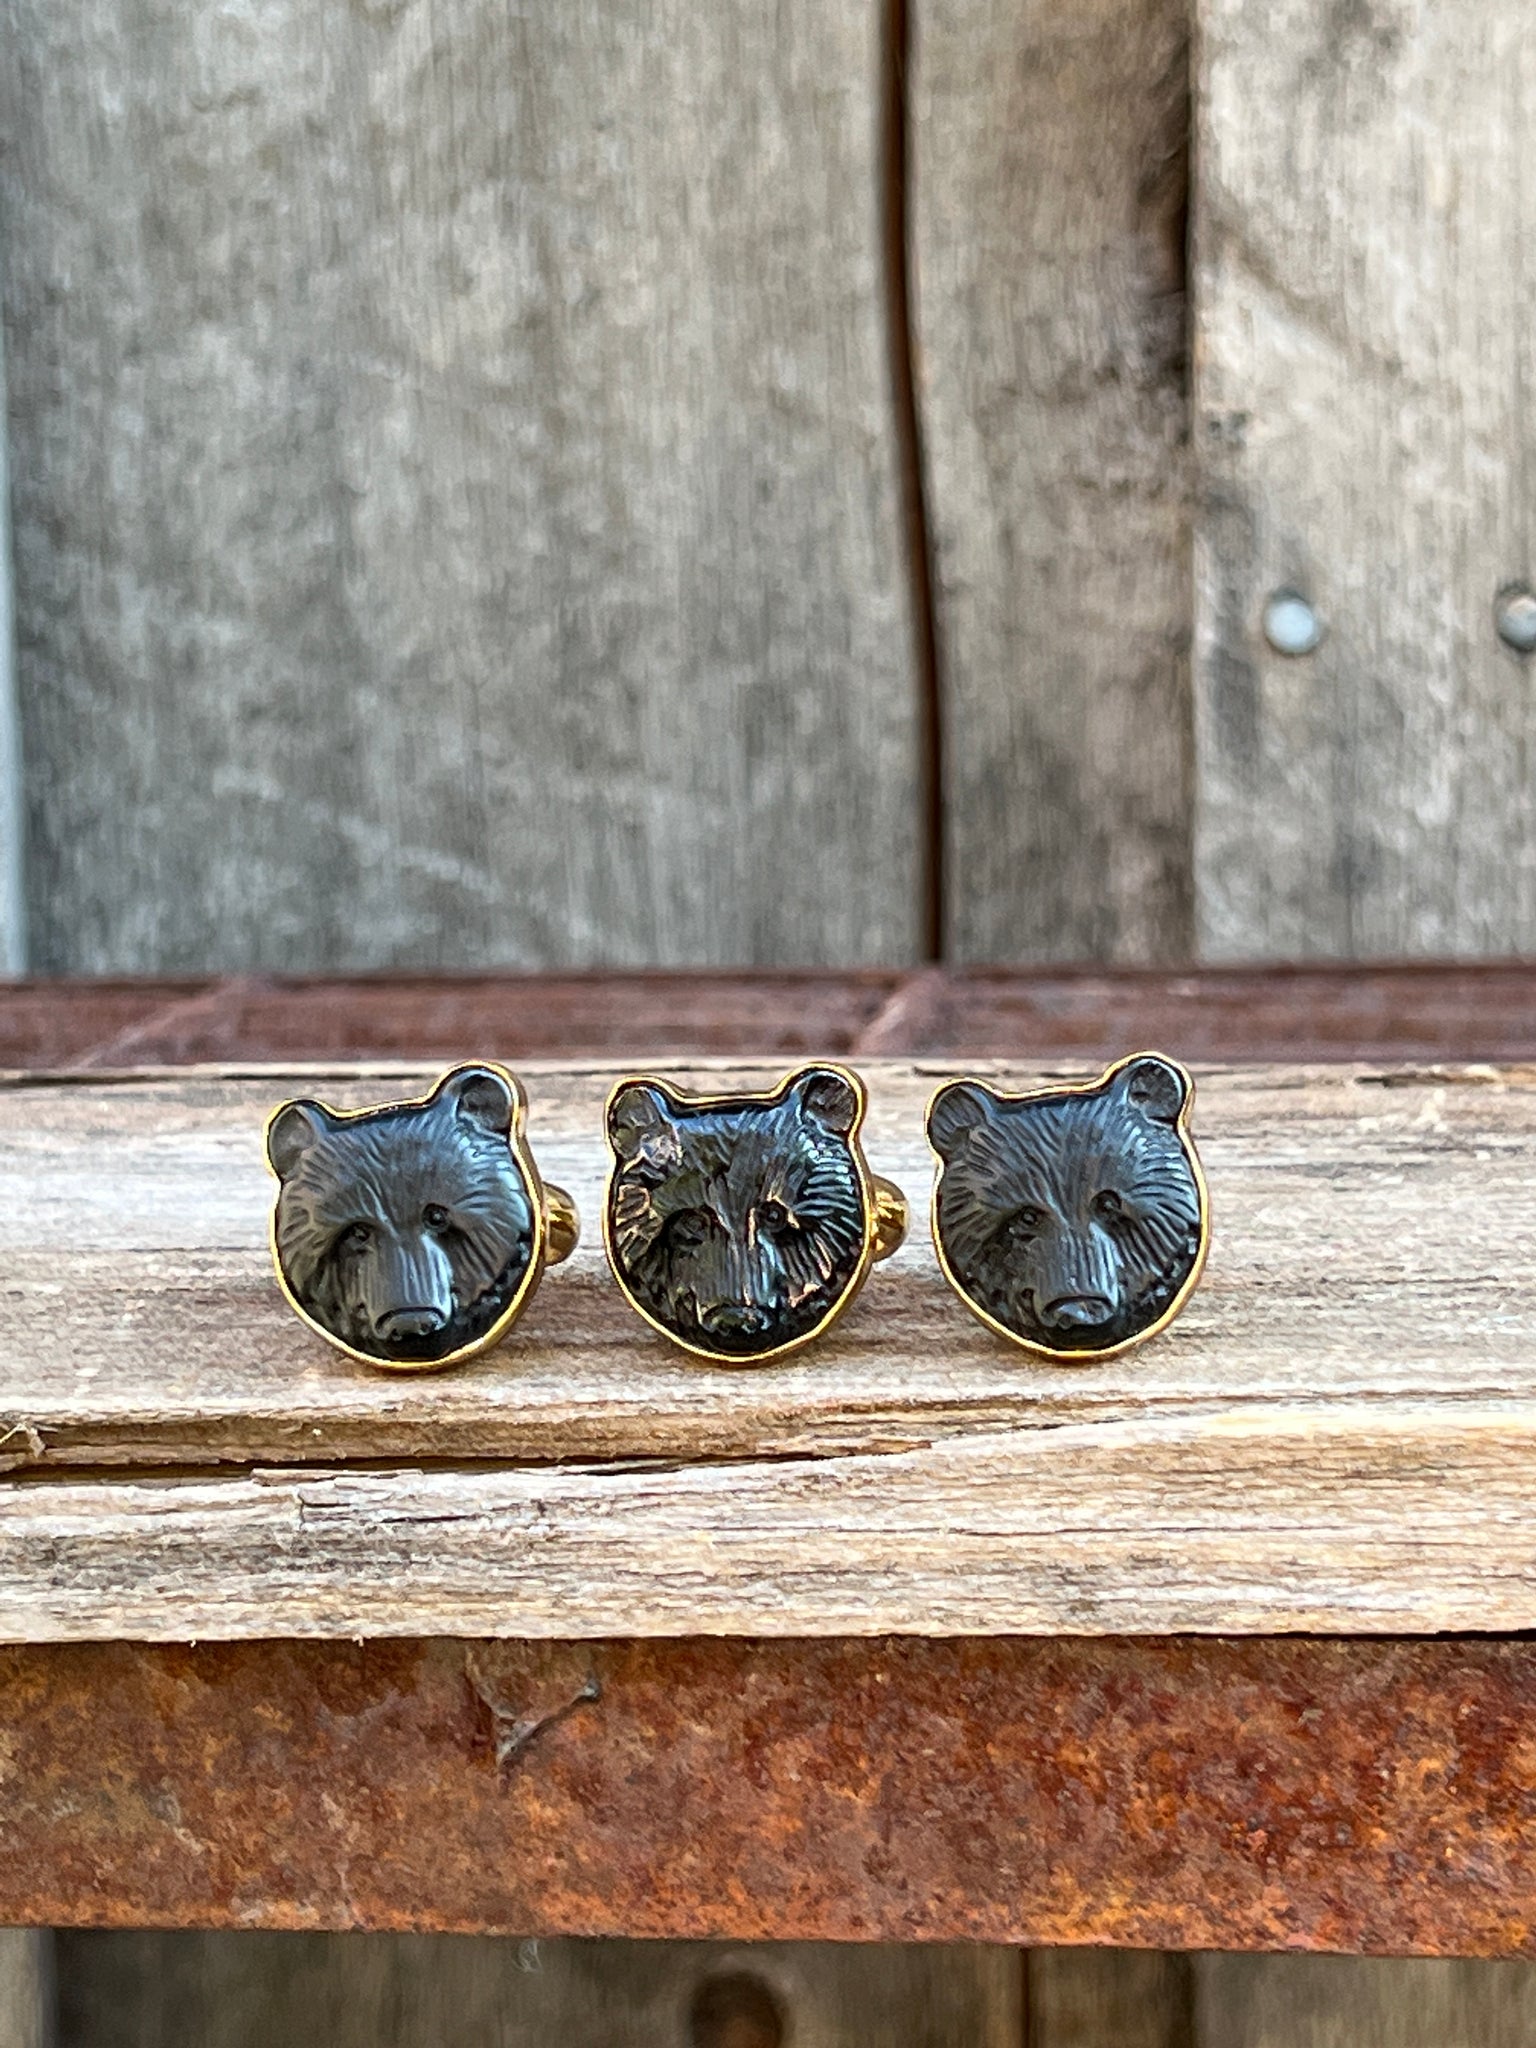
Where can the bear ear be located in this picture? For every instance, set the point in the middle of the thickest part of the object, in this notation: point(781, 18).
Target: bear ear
point(1154, 1086)
point(292, 1131)
point(955, 1112)
point(480, 1096)
point(829, 1099)
point(641, 1130)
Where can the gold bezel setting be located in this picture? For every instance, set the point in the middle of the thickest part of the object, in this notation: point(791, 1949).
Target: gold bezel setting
point(883, 1206)
point(1013, 1097)
point(553, 1213)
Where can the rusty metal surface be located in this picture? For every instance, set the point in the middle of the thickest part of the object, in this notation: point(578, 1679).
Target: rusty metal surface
point(1356, 1796)
point(1419, 1011)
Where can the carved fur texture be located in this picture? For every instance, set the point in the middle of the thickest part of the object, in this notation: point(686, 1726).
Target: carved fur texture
point(739, 1229)
point(1073, 1220)
point(405, 1232)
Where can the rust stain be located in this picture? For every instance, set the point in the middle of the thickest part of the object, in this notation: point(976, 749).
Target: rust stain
point(1425, 1012)
point(1366, 1796)
point(529, 1698)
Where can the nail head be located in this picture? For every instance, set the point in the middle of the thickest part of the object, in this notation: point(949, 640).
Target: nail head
point(1291, 626)
point(1514, 615)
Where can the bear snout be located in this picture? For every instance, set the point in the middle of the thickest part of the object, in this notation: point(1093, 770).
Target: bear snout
point(407, 1290)
point(397, 1325)
point(735, 1319)
point(1077, 1312)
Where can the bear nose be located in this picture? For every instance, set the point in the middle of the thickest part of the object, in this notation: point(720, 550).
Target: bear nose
point(1078, 1312)
point(735, 1319)
point(396, 1324)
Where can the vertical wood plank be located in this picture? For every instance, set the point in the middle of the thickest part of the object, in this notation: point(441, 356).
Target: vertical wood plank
point(13, 934)
point(434, 1991)
point(1048, 164)
point(1364, 283)
point(1362, 2002)
point(1109, 1998)
point(457, 512)
point(26, 1988)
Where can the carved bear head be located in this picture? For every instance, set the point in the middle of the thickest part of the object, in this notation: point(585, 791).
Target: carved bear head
point(405, 1232)
point(1074, 1221)
point(738, 1225)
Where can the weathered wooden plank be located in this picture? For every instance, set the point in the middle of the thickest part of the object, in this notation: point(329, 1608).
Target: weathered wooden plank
point(26, 1989)
point(1374, 1797)
point(1337, 1435)
point(1363, 1267)
point(1358, 2002)
point(457, 511)
point(1109, 1998)
point(192, 1990)
point(1049, 163)
point(13, 907)
point(1364, 280)
point(1416, 1519)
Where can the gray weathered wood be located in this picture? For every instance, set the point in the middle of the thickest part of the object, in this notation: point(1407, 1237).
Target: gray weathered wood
point(1338, 1435)
point(1109, 1998)
point(13, 919)
point(457, 509)
point(1048, 160)
point(1358, 2002)
point(26, 1989)
point(1365, 396)
point(435, 1991)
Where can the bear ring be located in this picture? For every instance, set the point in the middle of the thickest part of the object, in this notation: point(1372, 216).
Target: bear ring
point(1074, 1221)
point(411, 1235)
point(741, 1226)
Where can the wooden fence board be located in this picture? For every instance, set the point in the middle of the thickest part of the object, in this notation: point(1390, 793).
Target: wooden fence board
point(1362, 2002)
point(458, 517)
point(1048, 152)
point(26, 2002)
point(1337, 1435)
point(195, 1990)
point(13, 907)
point(1109, 1998)
point(1363, 287)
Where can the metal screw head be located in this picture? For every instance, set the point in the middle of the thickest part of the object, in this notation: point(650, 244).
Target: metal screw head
point(1514, 614)
point(1291, 626)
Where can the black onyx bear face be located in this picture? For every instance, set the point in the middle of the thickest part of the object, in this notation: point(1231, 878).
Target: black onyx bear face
point(406, 1233)
point(738, 1226)
point(1076, 1221)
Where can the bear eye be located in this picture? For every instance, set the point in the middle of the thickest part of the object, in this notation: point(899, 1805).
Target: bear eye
point(1026, 1220)
point(435, 1216)
point(354, 1237)
point(773, 1218)
point(690, 1227)
point(1108, 1206)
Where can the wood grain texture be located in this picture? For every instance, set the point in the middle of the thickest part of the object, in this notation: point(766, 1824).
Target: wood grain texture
point(1363, 286)
point(1049, 162)
point(1110, 1998)
point(192, 1990)
point(26, 1989)
point(457, 513)
point(1336, 1435)
point(13, 903)
point(1362, 2002)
